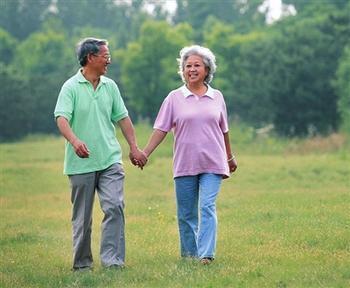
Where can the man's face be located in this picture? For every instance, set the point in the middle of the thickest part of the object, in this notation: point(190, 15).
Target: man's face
point(101, 60)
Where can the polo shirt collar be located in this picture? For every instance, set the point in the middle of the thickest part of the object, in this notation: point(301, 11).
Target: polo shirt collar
point(82, 79)
point(186, 92)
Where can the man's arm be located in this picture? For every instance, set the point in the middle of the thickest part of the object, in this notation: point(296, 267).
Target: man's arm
point(136, 156)
point(79, 146)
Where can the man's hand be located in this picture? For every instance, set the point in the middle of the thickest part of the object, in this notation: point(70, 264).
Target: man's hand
point(138, 158)
point(80, 148)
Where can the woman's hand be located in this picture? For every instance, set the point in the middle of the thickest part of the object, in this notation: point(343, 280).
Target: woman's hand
point(138, 158)
point(232, 164)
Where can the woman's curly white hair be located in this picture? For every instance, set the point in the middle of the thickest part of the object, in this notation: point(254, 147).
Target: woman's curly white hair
point(207, 56)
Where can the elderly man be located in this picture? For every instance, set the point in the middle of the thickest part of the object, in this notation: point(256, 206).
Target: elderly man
point(88, 107)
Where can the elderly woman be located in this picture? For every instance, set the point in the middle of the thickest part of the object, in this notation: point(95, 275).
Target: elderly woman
point(202, 154)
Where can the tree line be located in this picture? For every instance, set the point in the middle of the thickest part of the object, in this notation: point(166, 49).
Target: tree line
point(293, 74)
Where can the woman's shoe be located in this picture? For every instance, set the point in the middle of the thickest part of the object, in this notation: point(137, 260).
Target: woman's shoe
point(206, 260)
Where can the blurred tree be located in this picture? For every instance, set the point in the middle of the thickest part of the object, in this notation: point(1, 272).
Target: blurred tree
point(288, 73)
point(283, 73)
point(342, 84)
point(16, 103)
point(7, 47)
point(21, 18)
point(85, 13)
point(312, 7)
point(243, 62)
point(148, 66)
point(46, 52)
point(120, 20)
point(29, 108)
point(242, 14)
point(43, 95)
point(196, 12)
point(308, 51)
point(46, 59)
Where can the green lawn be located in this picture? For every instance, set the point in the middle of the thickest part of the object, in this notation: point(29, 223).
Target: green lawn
point(284, 221)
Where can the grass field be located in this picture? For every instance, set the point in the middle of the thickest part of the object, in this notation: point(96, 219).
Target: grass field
point(284, 219)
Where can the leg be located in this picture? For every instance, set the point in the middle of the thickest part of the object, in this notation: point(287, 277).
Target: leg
point(110, 189)
point(82, 198)
point(187, 213)
point(209, 188)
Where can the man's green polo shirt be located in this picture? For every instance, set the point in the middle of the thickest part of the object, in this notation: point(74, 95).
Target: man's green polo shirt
point(92, 115)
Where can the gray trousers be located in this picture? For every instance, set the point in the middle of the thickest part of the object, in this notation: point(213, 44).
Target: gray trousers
point(109, 184)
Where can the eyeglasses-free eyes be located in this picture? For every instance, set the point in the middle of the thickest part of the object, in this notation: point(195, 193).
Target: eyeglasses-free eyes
point(107, 57)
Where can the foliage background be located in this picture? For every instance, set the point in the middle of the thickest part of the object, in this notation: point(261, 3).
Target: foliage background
point(291, 75)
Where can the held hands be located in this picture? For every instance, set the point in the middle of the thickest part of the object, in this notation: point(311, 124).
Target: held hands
point(138, 158)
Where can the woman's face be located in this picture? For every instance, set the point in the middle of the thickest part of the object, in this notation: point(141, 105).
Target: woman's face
point(195, 70)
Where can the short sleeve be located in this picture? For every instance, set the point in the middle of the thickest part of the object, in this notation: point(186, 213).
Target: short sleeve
point(223, 116)
point(119, 110)
point(65, 102)
point(164, 120)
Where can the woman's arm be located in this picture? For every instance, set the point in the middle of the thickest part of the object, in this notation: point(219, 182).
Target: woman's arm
point(156, 138)
point(231, 159)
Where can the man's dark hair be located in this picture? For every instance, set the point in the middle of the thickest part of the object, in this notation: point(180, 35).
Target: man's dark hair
point(89, 46)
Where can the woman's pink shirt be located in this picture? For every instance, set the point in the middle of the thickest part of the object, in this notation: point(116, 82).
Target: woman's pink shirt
point(198, 125)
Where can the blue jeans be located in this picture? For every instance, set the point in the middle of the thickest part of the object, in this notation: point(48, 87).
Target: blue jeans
point(197, 228)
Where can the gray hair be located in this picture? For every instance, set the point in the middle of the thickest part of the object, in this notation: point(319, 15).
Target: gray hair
point(88, 46)
point(207, 56)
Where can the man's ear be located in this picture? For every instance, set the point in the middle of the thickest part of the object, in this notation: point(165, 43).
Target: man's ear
point(89, 57)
